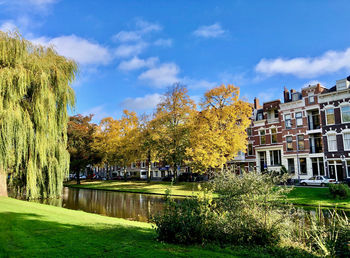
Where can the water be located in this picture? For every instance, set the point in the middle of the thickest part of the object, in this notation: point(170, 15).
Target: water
point(131, 206)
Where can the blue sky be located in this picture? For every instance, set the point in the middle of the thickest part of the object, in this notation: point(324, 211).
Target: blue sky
point(129, 52)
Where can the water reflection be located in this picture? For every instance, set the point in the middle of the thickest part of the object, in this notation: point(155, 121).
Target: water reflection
point(130, 206)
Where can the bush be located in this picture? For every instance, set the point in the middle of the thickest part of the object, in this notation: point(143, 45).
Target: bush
point(244, 213)
point(340, 191)
point(329, 236)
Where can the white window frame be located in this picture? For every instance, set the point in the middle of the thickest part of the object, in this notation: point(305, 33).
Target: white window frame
point(341, 113)
point(143, 164)
point(348, 147)
point(333, 115)
point(328, 141)
point(274, 134)
point(298, 119)
point(313, 101)
point(290, 121)
point(264, 135)
point(297, 140)
point(133, 165)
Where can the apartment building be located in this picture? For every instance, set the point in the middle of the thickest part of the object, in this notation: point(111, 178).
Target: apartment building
point(335, 116)
point(308, 133)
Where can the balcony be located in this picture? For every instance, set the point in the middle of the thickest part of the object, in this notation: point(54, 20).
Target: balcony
point(316, 143)
point(313, 120)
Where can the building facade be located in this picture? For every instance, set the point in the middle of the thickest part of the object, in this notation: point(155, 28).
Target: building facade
point(308, 133)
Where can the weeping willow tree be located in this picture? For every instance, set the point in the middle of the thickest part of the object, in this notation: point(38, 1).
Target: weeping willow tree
point(34, 98)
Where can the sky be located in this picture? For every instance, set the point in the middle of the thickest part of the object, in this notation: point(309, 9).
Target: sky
point(130, 52)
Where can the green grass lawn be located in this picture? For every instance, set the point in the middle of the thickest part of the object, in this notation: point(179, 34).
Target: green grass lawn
point(299, 195)
point(316, 197)
point(155, 187)
point(35, 230)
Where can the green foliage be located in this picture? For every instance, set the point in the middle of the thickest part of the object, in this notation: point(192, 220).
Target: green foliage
point(34, 96)
point(341, 191)
point(81, 137)
point(244, 213)
point(329, 235)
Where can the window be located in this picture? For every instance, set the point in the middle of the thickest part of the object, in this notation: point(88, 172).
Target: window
point(262, 137)
point(346, 141)
point(154, 164)
point(345, 114)
point(276, 113)
point(249, 131)
point(133, 165)
point(300, 142)
point(302, 164)
point(332, 142)
point(311, 99)
point(289, 140)
point(330, 116)
point(260, 116)
point(299, 118)
point(143, 164)
point(291, 168)
point(295, 96)
point(250, 149)
point(275, 157)
point(273, 135)
point(317, 166)
point(288, 121)
point(348, 167)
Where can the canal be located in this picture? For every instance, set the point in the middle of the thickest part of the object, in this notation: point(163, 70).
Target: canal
point(131, 206)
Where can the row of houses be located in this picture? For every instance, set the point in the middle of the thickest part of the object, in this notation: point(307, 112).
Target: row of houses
point(308, 133)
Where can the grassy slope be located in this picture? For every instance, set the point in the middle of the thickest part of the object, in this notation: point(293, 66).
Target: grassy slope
point(316, 196)
point(179, 189)
point(32, 229)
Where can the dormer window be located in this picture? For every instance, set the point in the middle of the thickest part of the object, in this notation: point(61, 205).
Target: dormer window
point(296, 96)
point(342, 84)
point(260, 116)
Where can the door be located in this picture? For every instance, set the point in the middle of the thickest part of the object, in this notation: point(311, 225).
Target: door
point(340, 173)
point(331, 171)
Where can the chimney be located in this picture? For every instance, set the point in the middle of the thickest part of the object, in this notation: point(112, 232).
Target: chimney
point(286, 95)
point(256, 103)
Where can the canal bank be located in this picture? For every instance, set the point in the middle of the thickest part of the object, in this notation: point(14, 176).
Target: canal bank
point(30, 229)
point(301, 196)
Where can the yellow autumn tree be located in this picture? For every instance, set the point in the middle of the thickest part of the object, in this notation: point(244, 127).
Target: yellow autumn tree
point(118, 140)
point(172, 119)
point(148, 140)
point(218, 131)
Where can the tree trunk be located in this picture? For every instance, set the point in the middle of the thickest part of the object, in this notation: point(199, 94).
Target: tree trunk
point(3, 183)
point(125, 179)
point(149, 167)
point(175, 173)
point(77, 174)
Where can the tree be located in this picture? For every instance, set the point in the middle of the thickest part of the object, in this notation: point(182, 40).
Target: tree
point(81, 134)
point(149, 137)
point(172, 117)
point(117, 140)
point(218, 132)
point(34, 97)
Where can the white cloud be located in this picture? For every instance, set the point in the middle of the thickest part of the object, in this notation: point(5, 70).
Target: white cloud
point(79, 49)
point(8, 26)
point(130, 50)
point(306, 67)
point(125, 36)
point(147, 102)
point(163, 42)
point(98, 112)
point(146, 27)
point(137, 63)
point(143, 27)
point(161, 76)
point(211, 31)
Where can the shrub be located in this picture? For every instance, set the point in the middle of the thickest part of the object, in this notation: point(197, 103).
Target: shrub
point(341, 191)
point(244, 213)
point(329, 236)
